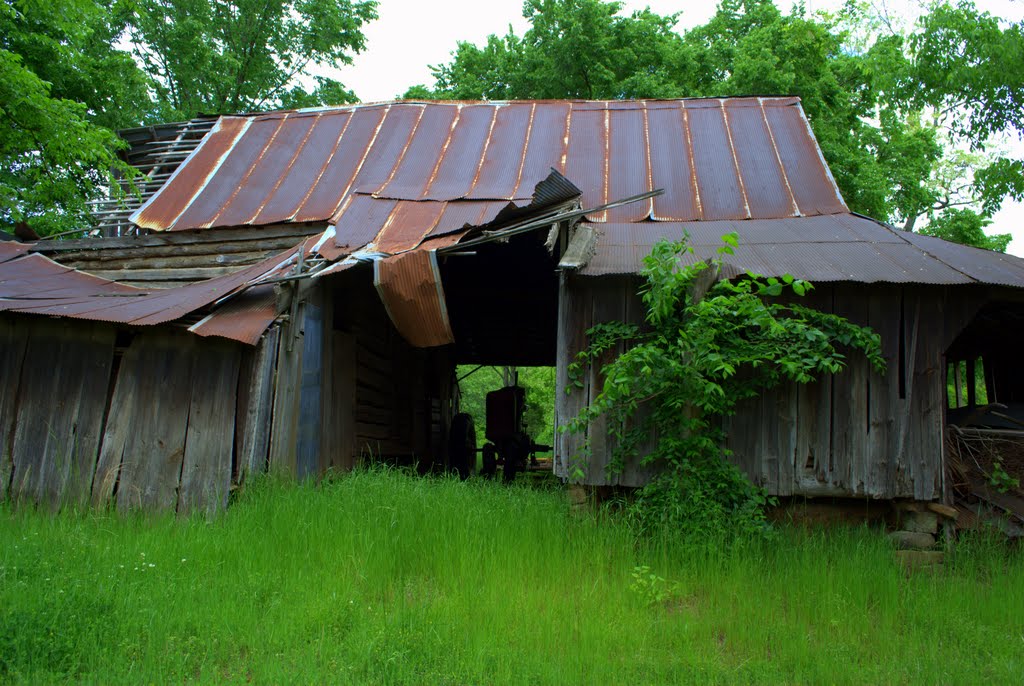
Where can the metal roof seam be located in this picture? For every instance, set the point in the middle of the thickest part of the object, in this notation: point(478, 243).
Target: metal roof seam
point(483, 152)
point(896, 232)
point(693, 166)
point(245, 177)
point(405, 150)
point(563, 159)
point(444, 150)
point(287, 169)
point(526, 146)
point(647, 159)
point(735, 160)
point(778, 159)
point(213, 172)
point(355, 174)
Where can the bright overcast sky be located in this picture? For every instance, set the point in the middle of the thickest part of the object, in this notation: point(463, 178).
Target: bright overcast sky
point(410, 35)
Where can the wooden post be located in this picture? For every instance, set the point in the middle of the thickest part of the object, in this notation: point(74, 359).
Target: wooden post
point(972, 386)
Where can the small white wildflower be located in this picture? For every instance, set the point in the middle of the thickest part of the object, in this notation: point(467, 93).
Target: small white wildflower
point(183, 559)
point(152, 565)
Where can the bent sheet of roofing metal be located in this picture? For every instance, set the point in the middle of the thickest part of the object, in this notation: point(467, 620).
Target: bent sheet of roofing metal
point(410, 287)
point(35, 284)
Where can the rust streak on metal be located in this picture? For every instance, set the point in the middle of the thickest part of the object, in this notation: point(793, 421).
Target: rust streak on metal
point(327, 162)
point(245, 177)
point(607, 162)
point(650, 170)
point(483, 153)
point(565, 141)
point(735, 161)
point(689, 152)
point(444, 149)
point(778, 159)
point(526, 146)
point(405, 149)
point(288, 167)
point(213, 172)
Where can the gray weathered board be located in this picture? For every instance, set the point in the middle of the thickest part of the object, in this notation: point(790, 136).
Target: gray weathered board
point(61, 398)
point(856, 433)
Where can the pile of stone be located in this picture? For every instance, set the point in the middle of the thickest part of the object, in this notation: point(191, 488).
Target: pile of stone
point(916, 527)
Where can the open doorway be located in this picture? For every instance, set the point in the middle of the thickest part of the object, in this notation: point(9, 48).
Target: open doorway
point(511, 412)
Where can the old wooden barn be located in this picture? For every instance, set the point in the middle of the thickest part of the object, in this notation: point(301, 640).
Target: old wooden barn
point(292, 291)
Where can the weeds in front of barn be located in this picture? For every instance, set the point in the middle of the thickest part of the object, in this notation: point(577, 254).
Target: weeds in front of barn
point(381, 577)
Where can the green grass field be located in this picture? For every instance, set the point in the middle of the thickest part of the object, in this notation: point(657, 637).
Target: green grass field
point(384, 578)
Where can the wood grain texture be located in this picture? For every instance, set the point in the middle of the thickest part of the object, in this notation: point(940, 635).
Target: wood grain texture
point(62, 399)
point(254, 414)
point(13, 343)
point(155, 445)
point(206, 470)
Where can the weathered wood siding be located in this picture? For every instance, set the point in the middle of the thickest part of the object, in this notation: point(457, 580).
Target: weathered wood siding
point(93, 414)
point(856, 433)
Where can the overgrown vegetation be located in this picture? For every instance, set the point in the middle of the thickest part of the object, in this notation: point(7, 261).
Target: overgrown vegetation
point(539, 383)
point(706, 346)
point(385, 578)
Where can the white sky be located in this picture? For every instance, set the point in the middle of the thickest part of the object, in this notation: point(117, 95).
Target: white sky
point(410, 35)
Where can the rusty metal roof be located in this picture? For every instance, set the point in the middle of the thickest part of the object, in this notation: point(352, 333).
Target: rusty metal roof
point(840, 247)
point(420, 169)
point(33, 284)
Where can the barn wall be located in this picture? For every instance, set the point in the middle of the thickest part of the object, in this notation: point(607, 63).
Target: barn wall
point(93, 414)
point(387, 400)
point(856, 433)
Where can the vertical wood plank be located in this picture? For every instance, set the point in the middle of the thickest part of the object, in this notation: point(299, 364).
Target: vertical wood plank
point(61, 407)
point(13, 342)
point(886, 408)
point(929, 394)
point(254, 415)
point(307, 446)
point(608, 303)
point(206, 470)
point(155, 448)
point(574, 320)
point(813, 453)
point(120, 423)
point(850, 398)
point(285, 417)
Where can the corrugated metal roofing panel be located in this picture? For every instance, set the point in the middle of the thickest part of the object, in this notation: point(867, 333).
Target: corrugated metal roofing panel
point(546, 146)
point(232, 174)
point(672, 165)
point(272, 169)
point(984, 265)
point(718, 180)
point(349, 154)
point(462, 157)
point(420, 160)
point(189, 179)
point(10, 249)
point(809, 178)
point(244, 318)
point(361, 220)
point(385, 151)
point(303, 176)
point(585, 162)
point(627, 141)
point(409, 223)
point(764, 181)
point(827, 248)
point(503, 158)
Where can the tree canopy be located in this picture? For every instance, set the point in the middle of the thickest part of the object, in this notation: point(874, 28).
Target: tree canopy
point(909, 121)
point(72, 71)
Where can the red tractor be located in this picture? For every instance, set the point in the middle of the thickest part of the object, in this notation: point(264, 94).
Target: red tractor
point(508, 444)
